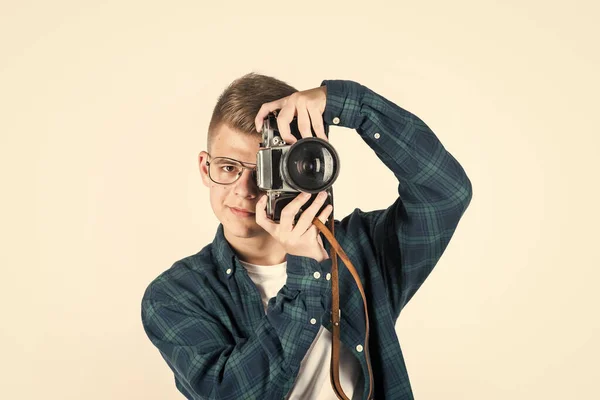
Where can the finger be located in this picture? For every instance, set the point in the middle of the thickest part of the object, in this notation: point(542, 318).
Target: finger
point(303, 122)
point(311, 233)
point(320, 240)
point(264, 110)
point(261, 216)
point(285, 116)
point(324, 216)
point(306, 219)
point(286, 222)
point(316, 119)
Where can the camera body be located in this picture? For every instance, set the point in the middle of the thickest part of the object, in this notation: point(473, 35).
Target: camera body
point(283, 171)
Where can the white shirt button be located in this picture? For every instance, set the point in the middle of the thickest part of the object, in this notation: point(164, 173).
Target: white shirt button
point(376, 135)
point(336, 120)
point(317, 275)
point(328, 276)
point(228, 271)
point(359, 348)
point(313, 321)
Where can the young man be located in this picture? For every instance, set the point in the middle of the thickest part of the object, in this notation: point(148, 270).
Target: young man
point(249, 316)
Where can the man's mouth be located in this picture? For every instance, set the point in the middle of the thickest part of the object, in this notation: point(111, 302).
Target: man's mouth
point(241, 212)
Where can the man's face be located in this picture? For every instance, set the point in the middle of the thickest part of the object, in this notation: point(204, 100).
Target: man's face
point(227, 201)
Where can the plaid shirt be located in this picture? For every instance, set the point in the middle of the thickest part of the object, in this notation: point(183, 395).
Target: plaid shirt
point(205, 315)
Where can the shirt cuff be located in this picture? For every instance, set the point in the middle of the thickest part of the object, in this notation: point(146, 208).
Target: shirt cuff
point(343, 103)
point(308, 275)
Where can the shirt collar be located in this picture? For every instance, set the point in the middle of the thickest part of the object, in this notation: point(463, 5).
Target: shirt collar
point(223, 254)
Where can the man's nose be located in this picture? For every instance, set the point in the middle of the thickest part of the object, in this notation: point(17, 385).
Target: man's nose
point(246, 184)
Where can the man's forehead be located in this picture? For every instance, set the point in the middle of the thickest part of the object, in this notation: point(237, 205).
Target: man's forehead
point(233, 144)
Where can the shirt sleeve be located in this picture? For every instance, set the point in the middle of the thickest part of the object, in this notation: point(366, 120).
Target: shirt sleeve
point(409, 237)
point(192, 330)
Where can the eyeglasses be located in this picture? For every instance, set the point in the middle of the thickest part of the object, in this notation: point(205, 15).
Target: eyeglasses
point(225, 170)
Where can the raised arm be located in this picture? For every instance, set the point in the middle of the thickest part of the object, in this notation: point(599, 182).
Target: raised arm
point(408, 237)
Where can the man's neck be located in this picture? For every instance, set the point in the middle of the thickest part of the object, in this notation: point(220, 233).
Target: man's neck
point(259, 250)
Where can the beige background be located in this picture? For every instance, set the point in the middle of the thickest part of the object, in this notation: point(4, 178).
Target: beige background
point(104, 107)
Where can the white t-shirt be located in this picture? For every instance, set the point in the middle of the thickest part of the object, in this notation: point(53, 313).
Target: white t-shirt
point(313, 380)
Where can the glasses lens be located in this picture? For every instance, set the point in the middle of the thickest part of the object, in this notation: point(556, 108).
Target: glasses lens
point(224, 170)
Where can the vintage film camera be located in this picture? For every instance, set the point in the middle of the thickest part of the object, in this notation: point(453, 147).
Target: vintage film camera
point(309, 165)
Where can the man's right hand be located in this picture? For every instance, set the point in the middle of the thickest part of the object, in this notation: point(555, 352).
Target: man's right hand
point(303, 238)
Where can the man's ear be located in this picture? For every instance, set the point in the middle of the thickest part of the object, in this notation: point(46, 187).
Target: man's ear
point(202, 157)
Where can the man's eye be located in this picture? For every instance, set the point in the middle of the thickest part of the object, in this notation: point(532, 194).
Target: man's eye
point(228, 168)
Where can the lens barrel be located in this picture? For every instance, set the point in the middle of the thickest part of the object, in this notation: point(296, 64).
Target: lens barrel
point(310, 165)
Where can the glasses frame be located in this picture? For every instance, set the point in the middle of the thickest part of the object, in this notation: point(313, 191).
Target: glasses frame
point(243, 164)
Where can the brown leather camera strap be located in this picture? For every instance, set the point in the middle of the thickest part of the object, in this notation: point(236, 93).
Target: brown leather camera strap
point(336, 312)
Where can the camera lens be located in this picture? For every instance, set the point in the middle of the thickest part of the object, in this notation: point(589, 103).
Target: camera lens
point(310, 165)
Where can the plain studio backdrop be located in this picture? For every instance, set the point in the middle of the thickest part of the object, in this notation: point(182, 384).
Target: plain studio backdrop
point(104, 107)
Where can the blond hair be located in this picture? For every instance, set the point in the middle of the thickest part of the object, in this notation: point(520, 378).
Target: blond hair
point(239, 103)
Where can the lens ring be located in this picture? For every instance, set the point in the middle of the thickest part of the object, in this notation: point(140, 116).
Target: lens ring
point(310, 165)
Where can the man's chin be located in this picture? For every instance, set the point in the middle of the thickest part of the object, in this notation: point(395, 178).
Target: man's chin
point(247, 231)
